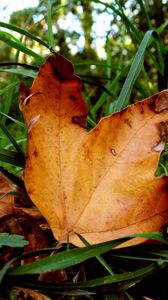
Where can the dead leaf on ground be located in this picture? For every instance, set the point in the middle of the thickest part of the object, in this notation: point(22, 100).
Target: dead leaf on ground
point(5, 185)
point(100, 184)
point(18, 222)
point(26, 294)
point(7, 201)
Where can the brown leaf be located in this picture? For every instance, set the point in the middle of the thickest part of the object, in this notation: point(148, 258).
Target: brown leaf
point(55, 276)
point(100, 184)
point(7, 201)
point(5, 185)
point(21, 223)
point(26, 294)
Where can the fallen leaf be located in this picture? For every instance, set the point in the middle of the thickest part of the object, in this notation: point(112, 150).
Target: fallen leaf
point(55, 276)
point(21, 223)
point(101, 183)
point(5, 185)
point(26, 294)
point(6, 200)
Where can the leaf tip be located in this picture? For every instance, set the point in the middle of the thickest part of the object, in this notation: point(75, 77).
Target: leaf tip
point(63, 68)
point(159, 102)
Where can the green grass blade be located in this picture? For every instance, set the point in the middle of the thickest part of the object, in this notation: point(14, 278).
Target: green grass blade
point(17, 194)
point(14, 120)
point(110, 279)
point(15, 179)
point(9, 87)
point(160, 253)
point(145, 14)
point(158, 32)
point(10, 137)
point(91, 121)
point(20, 71)
point(23, 32)
point(8, 100)
point(15, 63)
point(162, 27)
point(66, 259)
point(117, 278)
point(103, 97)
point(156, 39)
point(11, 157)
point(99, 257)
point(9, 35)
point(19, 46)
point(94, 83)
point(141, 258)
point(156, 236)
point(5, 268)
point(160, 51)
point(100, 65)
point(133, 73)
point(38, 252)
point(146, 88)
point(49, 23)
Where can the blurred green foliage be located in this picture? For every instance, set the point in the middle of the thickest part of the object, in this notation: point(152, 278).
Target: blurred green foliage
point(101, 39)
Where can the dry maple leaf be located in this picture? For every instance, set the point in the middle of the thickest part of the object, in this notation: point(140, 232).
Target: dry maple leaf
point(100, 184)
